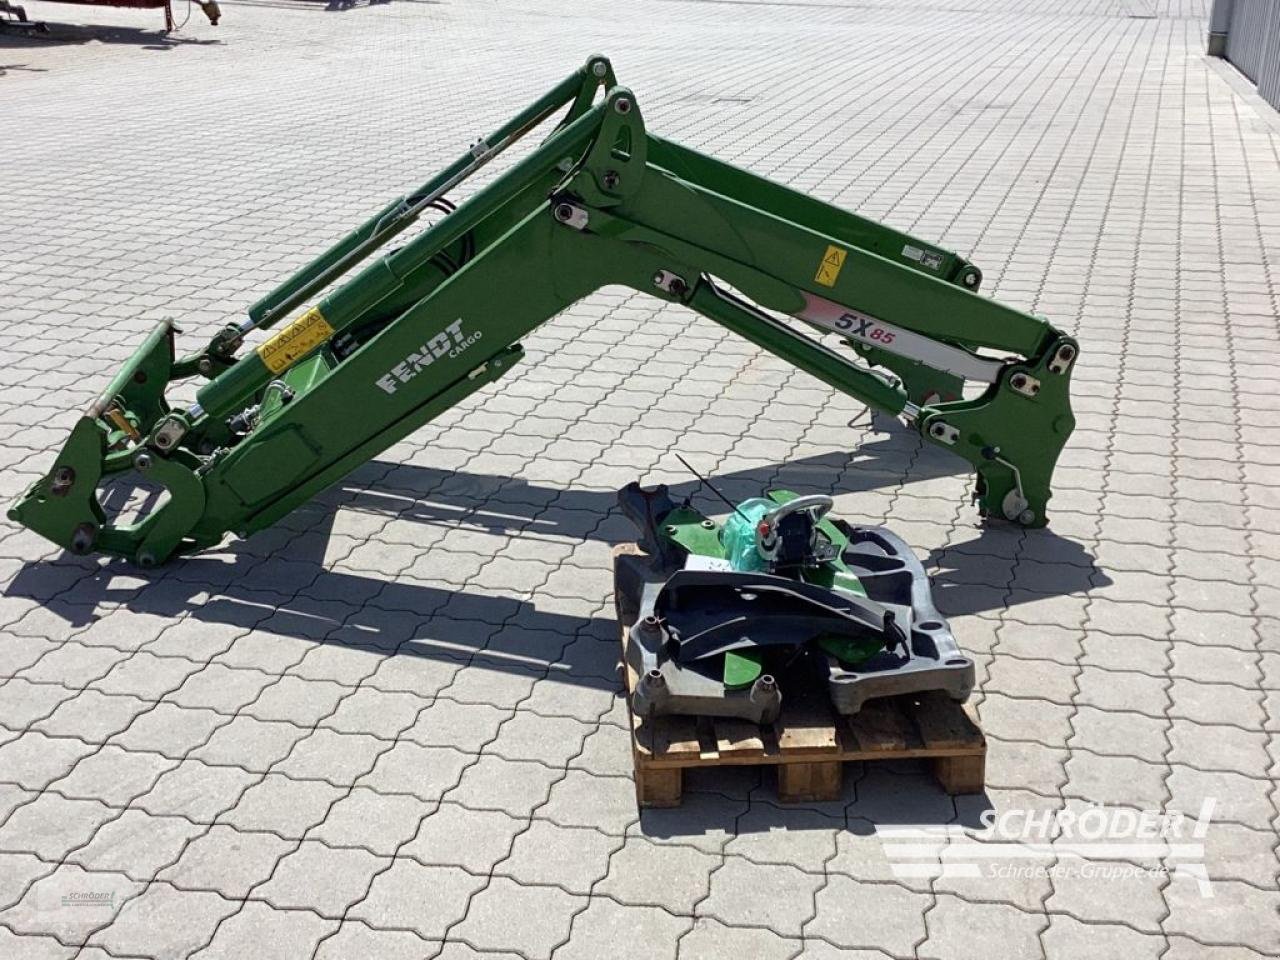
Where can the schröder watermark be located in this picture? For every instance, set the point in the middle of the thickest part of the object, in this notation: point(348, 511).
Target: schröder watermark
point(88, 898)
point(71, 902)
point(1096, 842)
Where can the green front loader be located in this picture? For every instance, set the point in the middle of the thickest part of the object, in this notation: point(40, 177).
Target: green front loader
point(407, 335)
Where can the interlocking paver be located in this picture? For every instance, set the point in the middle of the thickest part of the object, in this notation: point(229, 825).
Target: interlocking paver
point(69, 903)
point(260, 931)
point(734, 896)
point(247, 742)
point(880, 916)
point(573, 858)
point(378, 822)
point(219, 687)
point(1111, 893)
point(36, 760)
point(579, 799)
point(428, 900)
point(472, 839)
point(630, 932)
point(377, 712)
point(34, 948)
point(51, 826)
point(336, 758)
point(963, 928)
point(515, 787)
point(1244, 915)
point(797, 837)
point(226, 861)
point(712, 940)
point(163, 921)
point(1123, 781)
point(347, 874)
point(22, 869)
point(282, 805)
point(425, 772)
point(408, 686)
point(114, 775)
point(354, 939)
point(137, 844)
point(294, 700)
point(671, 875)
point(1097, 941)
point(26, 704)
point(1235, 797)
point(168, 729)
point(506, 915)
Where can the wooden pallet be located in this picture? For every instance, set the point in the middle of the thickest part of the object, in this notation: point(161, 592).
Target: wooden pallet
point(809, 744)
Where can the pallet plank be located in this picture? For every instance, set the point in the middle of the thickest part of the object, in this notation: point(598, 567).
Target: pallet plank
point(810, 782)
point(739, 738)
point(942, 724)
point(659, 788)
point(880, 727)
point(960, 775)
point(679, 737)
point(807, 726)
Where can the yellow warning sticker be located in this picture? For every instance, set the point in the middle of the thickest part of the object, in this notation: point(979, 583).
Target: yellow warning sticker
point(829, 268)
point(295, 341)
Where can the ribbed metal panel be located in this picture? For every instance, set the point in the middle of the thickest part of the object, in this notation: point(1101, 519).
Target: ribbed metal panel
point(1269, 66)
point(1247, 33)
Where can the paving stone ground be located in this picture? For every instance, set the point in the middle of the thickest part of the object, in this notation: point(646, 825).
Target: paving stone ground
point(389, 726)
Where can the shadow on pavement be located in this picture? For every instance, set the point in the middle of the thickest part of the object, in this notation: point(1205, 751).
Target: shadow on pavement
point(326, 6)
point(72, 33)
point(278, 582)
point(879, 798)
point(284, 569)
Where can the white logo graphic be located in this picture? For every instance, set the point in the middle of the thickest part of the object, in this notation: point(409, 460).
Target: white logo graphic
point(449, 342)
point(1097, 842)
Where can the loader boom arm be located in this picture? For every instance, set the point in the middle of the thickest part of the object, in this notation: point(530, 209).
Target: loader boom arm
point(599, 201)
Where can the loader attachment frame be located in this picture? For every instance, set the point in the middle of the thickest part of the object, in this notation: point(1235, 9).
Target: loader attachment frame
point(599, 201)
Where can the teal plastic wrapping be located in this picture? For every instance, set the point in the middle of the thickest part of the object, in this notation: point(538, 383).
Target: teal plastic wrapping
point(738, 535)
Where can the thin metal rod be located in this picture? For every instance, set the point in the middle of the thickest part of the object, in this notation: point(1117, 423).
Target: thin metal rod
point(707, 483)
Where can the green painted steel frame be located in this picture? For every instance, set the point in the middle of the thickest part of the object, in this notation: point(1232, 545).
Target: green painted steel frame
point(598, 202)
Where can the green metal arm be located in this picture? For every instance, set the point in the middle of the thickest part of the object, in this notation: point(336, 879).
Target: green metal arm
point(598, 202)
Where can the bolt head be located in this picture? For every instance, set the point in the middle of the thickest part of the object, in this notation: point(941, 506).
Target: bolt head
point(142, 462)
point(599, 68)
point(622, 105)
